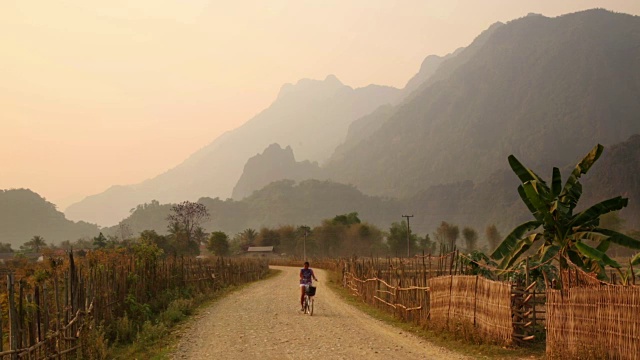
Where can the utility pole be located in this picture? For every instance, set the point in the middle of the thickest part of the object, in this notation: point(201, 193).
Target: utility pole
point(408, 234)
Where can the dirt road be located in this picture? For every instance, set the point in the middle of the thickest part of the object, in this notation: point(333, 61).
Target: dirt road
point(263, 321)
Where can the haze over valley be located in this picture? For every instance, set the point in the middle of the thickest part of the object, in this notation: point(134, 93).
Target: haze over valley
point(545, 88)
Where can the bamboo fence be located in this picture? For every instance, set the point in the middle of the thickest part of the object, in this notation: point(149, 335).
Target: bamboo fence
point(435, 290)
point(473, 300)
point(602, 322)
point(590, 318)
point(46, 315)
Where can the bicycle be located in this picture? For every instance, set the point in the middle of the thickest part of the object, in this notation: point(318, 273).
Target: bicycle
point(309, 294)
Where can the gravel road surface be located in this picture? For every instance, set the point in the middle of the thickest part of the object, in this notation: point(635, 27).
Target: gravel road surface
point(263, 321)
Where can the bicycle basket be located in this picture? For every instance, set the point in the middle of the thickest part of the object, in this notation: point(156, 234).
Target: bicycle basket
point(311, 290)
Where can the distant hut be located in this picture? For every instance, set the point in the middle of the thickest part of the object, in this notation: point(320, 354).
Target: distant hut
point(254, 251)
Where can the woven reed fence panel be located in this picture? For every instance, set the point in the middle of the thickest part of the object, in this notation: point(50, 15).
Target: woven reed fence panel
point(493, 309)
point(473, 300)
point(439, 298)
point(599, 322)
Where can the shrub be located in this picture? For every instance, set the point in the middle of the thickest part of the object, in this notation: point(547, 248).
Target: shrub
point(93, 344)
point(124, 329)
point(150, 333)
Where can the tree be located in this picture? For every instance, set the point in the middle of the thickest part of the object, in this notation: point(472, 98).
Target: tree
point(200, 236)
point(470, 238)
point(397, 238)
point(99, 241)
point(328, 238)
point(184, 225)
point(288, 239)
point(248, 237)
point(493, 236)
point(447, 235)
point(161, 241)
point(124, 231)
point(268, 237)
point(218, 243)
point(564, 235)
point(34, 245)
point(347, 219)
point(425, 244)
point(5, 248)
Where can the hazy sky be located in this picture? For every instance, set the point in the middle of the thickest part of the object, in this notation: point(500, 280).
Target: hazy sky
point(95, 93)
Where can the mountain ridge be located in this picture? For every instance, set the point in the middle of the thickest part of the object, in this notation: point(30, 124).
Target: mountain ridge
point(460, 128)
point(311, 116)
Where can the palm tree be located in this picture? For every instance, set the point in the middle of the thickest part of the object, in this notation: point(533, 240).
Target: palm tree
point(35, 244)
point(248, 236)
point(561, 234)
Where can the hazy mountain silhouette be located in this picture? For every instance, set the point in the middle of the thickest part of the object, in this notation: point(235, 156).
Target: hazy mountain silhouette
point(434, 68)
point(617, 173)
point(279, 203)
point(359, 129)
point(494, 200)
point(25, 214)
point(544, 89)
point(273, 164)
point(428, 67)
point(311, 116)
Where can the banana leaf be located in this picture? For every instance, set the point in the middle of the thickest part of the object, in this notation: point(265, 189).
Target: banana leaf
point(526, 201)
point(511, 242)
point(556, 182)
point(596, 254)
point(636, 259)
point(618, 238)
point(604, 245)
point(570, 197)
point(531, 190)
point(575, 258)
point(589, 235)
point(601, 208)
point(522, 172)
point(522, 246)
point(548, 252)
point(569, 194)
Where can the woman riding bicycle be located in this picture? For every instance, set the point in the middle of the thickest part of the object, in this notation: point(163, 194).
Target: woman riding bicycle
point(306, 274)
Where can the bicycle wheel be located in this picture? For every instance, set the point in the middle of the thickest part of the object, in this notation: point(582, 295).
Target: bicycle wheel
point(306, 304)
point(311, 307)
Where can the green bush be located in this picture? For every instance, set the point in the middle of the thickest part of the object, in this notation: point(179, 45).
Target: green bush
point(176, 311)
point(93, 344)
point(150, 333)
point(124, 329)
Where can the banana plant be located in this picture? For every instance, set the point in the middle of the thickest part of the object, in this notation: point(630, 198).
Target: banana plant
point(555, 230)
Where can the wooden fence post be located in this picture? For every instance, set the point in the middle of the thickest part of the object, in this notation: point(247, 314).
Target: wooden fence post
point(475, 302)
point(13, 322)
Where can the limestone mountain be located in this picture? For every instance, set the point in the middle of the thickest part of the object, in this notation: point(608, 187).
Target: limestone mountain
point(273, 164)
point(617, 173)
point(311, 116)
point(543, 89)
point(25, 214)
point(494, 200)
point(434, 68)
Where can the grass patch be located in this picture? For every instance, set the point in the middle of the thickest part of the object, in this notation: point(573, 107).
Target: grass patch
point(440, 338)
point(159, 339)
